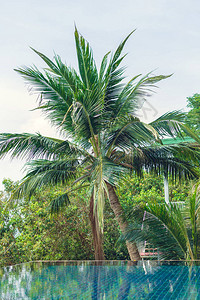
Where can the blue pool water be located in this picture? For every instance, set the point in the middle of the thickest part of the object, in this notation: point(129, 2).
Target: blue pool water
point(109, 280)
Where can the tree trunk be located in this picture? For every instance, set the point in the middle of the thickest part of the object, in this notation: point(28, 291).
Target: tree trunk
point(96, 233)
point(118, 211)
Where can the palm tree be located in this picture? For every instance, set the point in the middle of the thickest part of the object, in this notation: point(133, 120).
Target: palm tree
point(174, 231)
point(95, 112)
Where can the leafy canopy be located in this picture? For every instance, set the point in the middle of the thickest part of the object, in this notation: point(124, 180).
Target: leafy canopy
point(193, 116)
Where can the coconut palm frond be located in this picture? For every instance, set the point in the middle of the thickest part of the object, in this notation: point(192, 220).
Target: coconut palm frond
point(89, 106)
point(65, 105)
point(130, 135)
point(157, 236)
point(87, 66)
point(27, 145)
point(163, 227)
point(103, 66)
point(178, 161)
point(113, 77)
point(172, 124)
point(41, 173)
point(30, 146)
point(52, 93)
point(184, 150)
point(51, 89)
point(192, 218)
point(65, 73)
point(171, 163)
point(169, 124)
point(135, 93)
point(173, 219)
point(58, 203)
point(175, 232)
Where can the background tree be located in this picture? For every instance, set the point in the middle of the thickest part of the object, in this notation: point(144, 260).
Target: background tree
point(193, 116)
point(28, 232)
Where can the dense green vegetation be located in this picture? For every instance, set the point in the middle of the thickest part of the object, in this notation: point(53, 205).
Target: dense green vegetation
point(29, 232)
point(193, 116)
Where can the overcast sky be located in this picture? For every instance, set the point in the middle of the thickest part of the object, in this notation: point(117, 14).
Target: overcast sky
point(167, 40)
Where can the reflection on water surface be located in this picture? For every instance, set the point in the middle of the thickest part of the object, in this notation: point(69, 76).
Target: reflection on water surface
point(106, 280)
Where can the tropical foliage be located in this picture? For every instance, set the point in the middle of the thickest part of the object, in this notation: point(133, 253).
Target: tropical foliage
point(174, 231)
point(28, 232)
point(102, 137)
point(134, 190)
point(193, 116)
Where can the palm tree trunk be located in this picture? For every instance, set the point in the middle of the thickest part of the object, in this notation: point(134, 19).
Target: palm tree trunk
point(118, 211)
point(96, 233)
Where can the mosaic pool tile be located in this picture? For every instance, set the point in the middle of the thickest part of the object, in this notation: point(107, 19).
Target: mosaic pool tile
point(144, 280)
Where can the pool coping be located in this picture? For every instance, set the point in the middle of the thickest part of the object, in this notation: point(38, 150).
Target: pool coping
point(107, 262)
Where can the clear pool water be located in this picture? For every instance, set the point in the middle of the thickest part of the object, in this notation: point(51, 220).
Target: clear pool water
point(106, 280)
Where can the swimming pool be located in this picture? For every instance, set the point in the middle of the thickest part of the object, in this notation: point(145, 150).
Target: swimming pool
point(101, 280)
